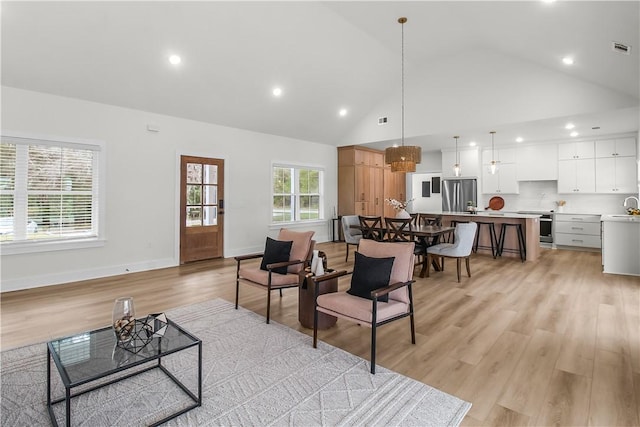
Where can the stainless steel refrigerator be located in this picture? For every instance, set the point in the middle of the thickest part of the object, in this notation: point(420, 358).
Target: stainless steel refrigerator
point(457, 192)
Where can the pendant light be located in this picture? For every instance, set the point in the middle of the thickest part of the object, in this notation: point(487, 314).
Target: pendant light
point(403, 158)
point(493, 168)
point(456, 166)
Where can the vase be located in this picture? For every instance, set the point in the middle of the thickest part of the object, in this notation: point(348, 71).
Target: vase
point(124, 319)
point(403, 214)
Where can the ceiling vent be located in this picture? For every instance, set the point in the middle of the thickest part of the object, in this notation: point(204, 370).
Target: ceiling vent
point(382, 121)
point(621, 47)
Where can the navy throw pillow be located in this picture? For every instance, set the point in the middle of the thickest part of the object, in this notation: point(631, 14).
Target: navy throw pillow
point(370, 274)
point(276, 251)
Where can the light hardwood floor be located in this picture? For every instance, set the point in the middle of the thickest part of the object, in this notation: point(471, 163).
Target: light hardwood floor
point(554, 342)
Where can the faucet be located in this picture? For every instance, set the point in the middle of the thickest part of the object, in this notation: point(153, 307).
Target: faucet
point(624, 204)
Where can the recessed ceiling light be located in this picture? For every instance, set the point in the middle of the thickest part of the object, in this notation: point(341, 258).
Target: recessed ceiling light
point(519, 139)
point(567, 60)
point(574, 133)
point(277, 91)
point(175, 59)
point(569, 126)
point(343, 112)
point(548, 1)
point(472, 143)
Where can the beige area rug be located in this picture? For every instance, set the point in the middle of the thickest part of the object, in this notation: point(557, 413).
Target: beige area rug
point(254, 374)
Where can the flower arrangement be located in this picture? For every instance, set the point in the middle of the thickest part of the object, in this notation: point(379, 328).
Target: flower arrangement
point(561, 202)
point(397, 204)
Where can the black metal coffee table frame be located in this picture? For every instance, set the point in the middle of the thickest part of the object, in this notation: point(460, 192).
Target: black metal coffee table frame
point(68, 384)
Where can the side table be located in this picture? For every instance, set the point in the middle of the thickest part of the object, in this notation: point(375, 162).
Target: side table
point(306, 302)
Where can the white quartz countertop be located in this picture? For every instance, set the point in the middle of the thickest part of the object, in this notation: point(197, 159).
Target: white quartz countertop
point(499, 214)
point(621, 218)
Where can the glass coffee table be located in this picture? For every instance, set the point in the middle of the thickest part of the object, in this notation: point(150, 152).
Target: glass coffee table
point(90, 356)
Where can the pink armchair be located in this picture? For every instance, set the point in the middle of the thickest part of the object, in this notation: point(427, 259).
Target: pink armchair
point(268, 278)
point(373, 312)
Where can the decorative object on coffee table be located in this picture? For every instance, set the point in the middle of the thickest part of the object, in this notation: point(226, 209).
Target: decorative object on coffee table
point(124, 318)
point(144, 331)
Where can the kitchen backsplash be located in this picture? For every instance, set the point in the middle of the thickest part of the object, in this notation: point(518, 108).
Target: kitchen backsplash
point(543, 195)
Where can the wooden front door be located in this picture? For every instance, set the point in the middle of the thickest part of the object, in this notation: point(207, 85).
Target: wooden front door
point(201, 208)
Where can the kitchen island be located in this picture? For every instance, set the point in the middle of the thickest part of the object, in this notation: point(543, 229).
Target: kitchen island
point(621, 244)
point(530, 227)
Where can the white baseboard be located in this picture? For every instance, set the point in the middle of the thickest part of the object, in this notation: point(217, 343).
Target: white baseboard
point(75, 276)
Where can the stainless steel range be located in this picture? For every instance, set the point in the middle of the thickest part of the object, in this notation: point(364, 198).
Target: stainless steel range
point(546, 224)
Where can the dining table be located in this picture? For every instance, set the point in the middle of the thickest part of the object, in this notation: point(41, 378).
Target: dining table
point(428, 235)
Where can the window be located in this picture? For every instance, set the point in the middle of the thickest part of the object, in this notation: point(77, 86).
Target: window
point(297, 194)
point(48, 190)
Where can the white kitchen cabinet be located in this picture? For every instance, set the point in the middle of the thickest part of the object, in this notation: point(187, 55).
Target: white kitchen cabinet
point(576, 150)
point(621, 245)
point(502, 182)
point(537, 162)
point(577, 230)
point(576, 176)
point(616, 175)
point(616, 147)
point(502, 155)
point(469, 163)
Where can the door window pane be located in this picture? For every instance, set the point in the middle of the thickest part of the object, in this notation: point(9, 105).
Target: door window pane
point(210, 195)
point(210, 215)
point(194, 216)
point(194, 196)
point(210, 174)
point(194, 173)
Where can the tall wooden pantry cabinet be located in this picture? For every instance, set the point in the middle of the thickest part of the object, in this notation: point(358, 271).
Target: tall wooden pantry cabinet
point(364, 182)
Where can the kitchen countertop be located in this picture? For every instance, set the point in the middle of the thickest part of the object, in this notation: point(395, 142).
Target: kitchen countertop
point(621, 218)
point(500, 214)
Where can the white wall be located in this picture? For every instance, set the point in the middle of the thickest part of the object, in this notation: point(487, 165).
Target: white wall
point(142, 173)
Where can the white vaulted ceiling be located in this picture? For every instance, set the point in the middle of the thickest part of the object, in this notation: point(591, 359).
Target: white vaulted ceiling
point(471, 67)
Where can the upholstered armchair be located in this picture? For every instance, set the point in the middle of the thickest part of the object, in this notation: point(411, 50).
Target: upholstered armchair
point(282, 260)
point(380, 290)
point(351, 235)
point(464, 235)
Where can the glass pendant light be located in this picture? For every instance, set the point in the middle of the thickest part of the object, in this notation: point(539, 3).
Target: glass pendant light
point(493, 168)
point(456, 166)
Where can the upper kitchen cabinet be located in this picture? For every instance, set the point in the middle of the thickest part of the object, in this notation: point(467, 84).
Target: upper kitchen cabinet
point(616, 147)
point(576, 150)
point(502, 155)
point(616, 175)
point(576, 176)
point(504, 180)
point(616, 168)
point(537, 162)
point(469, 163)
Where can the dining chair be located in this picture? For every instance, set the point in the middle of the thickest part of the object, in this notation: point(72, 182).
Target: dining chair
point(465, 234)
point(371, 227)
point(351, 234)
point(380, 290)
point(400, 230)
point(282, 261)
point(428, 219)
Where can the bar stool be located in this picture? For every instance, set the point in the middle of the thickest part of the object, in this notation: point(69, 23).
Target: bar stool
point(492, 237)
point(521, 246)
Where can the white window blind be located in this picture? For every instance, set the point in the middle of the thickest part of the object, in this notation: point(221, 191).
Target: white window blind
point(48, 190)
